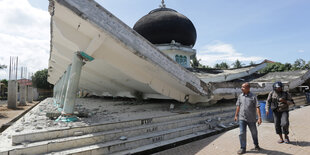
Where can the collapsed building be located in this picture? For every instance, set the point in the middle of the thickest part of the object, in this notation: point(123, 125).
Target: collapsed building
point(152, 59)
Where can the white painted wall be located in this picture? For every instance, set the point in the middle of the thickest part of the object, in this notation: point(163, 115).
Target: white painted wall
point(173, 50)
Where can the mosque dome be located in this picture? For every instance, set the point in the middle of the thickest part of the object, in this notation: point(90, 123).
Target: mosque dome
point(163, 25)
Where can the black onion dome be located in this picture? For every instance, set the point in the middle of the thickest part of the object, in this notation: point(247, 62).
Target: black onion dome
point(163, 25)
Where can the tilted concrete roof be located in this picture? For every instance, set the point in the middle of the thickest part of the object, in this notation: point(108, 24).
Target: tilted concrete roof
point(125, 62)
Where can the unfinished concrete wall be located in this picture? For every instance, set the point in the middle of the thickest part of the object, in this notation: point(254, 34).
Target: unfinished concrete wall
point(12, 94)
point(22, 95)
point(35, 94)
point(29, 94)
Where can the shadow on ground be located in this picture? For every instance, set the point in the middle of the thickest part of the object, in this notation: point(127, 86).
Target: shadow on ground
point(300, 143)
point(265, 151)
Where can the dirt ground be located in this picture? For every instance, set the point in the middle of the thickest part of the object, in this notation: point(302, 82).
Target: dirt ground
point(7, 115)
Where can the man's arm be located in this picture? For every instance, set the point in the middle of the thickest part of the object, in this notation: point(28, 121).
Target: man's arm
point(237, 109)
point(259, 121)
point(237, 112)
point(268, 102)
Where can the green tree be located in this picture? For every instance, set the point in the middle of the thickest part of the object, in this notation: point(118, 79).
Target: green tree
point(287, 67)
point(39, 80)
point(299, 64)
point(222, 65)
point(307, 66)
point(5, 82)
point(237, 64)
point(252, 63)
point(2, 66)
point(206, 66)
point(195, 63)
point(273, 67)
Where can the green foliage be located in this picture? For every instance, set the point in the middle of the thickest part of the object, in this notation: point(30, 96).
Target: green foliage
point(3, 66)
point(287, 67)
point(39, 80)
point(273, 67)
point(206, 66)
point(222, 65)
point(5, 82)
point(195, 63)
point(237, 64)
point(252, 63)
point(300, 64)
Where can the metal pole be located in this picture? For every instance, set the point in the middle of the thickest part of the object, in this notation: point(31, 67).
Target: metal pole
point(10, 68)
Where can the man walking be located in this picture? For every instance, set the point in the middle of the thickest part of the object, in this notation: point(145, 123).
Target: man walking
point(247, 107)
point(279, 101)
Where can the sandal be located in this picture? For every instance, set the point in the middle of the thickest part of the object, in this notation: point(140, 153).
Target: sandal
point(280, 141)
point(287, 141)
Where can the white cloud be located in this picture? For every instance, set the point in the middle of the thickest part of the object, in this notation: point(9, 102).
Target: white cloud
point(301, 51)
point(218, 52)
point(24, 32)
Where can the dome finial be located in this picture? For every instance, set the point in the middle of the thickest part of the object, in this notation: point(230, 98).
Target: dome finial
point(163, 5)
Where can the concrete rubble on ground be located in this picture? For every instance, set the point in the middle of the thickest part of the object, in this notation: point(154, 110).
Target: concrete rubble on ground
point(96, 111)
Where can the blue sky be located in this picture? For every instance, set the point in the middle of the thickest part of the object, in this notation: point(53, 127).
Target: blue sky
point(227, 30)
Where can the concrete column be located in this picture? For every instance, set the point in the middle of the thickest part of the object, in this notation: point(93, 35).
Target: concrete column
point(73, 83)
point(12, 94)
point(58, 94)
point(54, 92)
point(64, 88)
point(22, 95)
point(29, 94)
point(57, 91)
point(61, 83)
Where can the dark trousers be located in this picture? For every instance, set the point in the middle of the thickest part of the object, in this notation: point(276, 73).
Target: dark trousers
point(242, 136)
point(281, 122)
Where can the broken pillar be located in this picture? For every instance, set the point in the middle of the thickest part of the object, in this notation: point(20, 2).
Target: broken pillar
point(12, 94)
point(22, 95)
point(73, 83)
point(29, 94)
point(55, 93)
point(64, 87)
point(58, 91)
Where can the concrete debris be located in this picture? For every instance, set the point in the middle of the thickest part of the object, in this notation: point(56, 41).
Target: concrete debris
point(78, 133)
point(39, 127)
point(19, 129)
point(53, 115)
point(210, 126)
point(232, 123)
point(123, 138)
point(25, 144)
point(222, 126)
point(37, 119)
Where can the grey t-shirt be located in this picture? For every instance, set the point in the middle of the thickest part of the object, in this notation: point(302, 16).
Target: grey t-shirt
point(273, 95)
point(248, 104)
